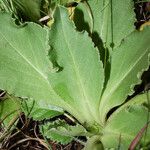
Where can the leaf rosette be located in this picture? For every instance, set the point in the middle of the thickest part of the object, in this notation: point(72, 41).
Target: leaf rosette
point(62, 70)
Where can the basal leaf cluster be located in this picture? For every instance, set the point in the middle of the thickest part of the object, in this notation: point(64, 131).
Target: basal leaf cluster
point(85, 65)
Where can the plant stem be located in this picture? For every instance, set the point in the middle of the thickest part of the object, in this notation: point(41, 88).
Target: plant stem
point(94, 143)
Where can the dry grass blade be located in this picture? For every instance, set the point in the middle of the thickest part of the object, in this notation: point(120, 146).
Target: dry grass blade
point(42, 142)
point(138, 137)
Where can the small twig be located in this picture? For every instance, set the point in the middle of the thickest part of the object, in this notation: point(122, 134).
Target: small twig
point(66, 146)
point(20, 117)
point(11, 136)
point(2, 94)
point(1, 121)
point(42, 142)
point(44, 18)
point(35, 127)
point(7, 131)
point(69, 117)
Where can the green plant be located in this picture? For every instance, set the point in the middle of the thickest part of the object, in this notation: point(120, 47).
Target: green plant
point(61, 70)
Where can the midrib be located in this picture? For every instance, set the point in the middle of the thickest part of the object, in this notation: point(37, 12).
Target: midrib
point(61, 103)
point(43, 76)
point(113, 89)
point(80, 83)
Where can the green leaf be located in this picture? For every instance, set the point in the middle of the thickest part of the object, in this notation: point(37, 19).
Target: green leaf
point(24, 65)
point(83, 18)
point(28, 10)
point(129, 60)
point(94, 143)
point(81, 80)
point(62, 132)
point(10, 108)
point(38, 112)
point(107, 22)
point(125, 123)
